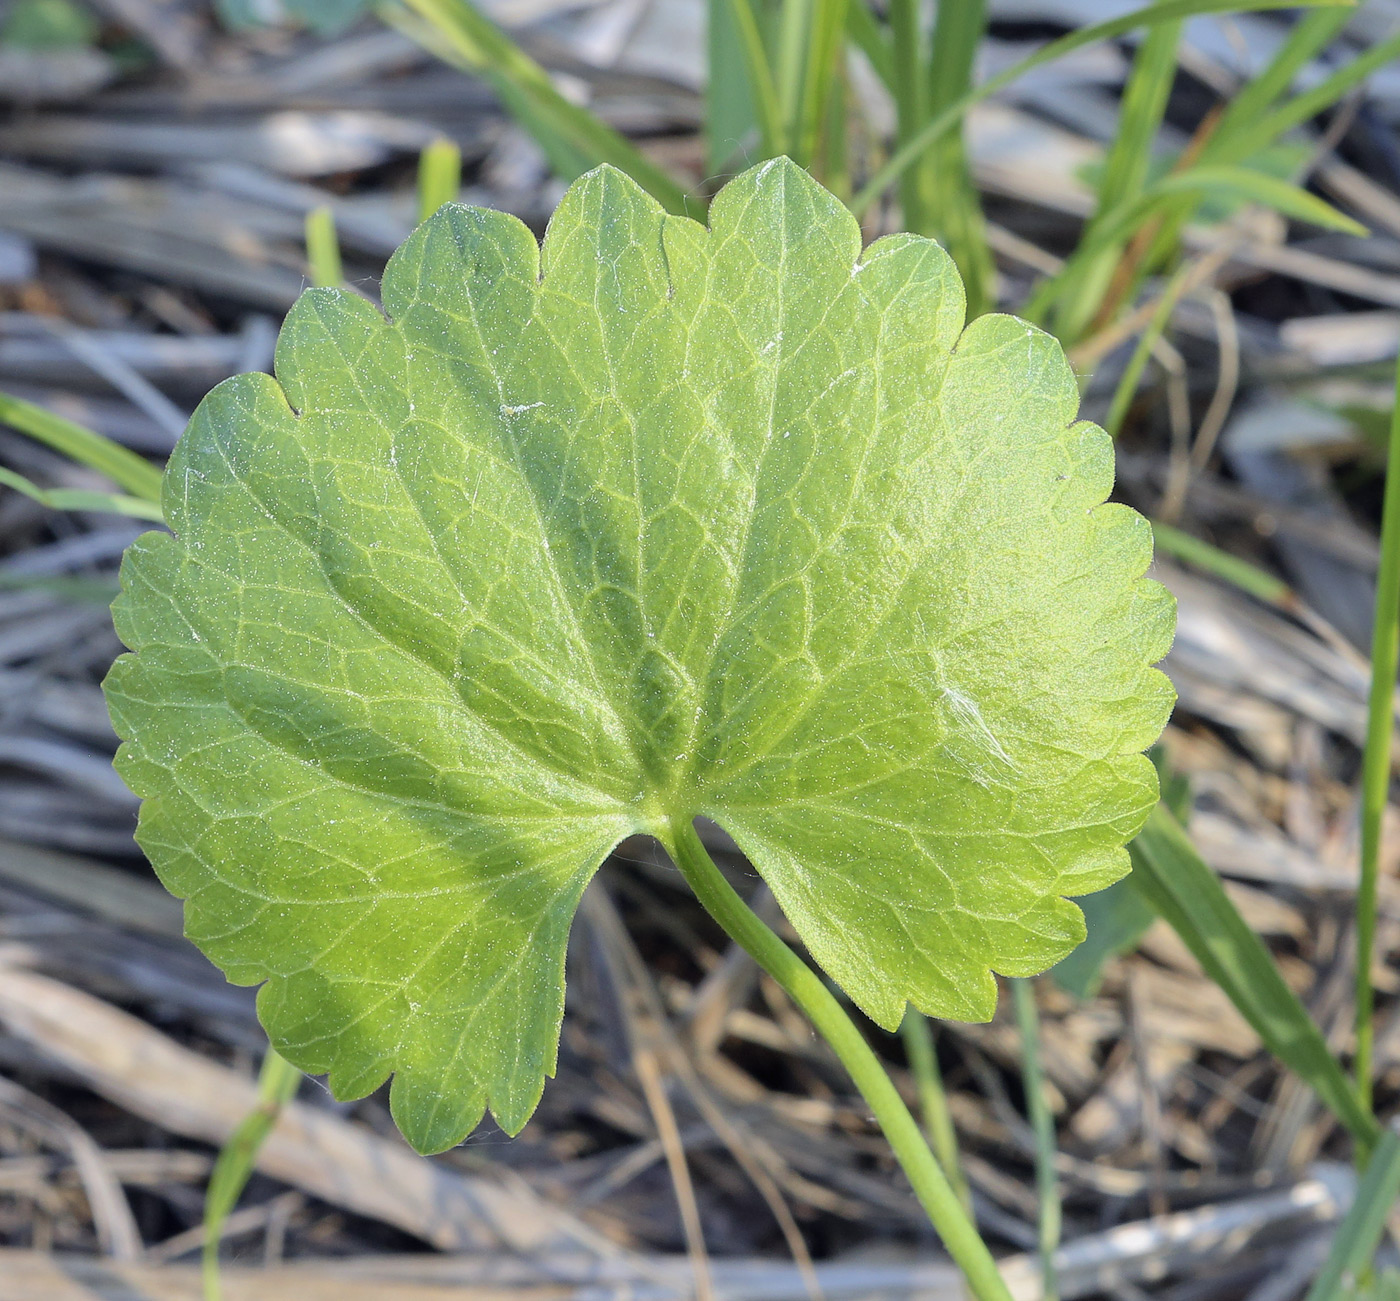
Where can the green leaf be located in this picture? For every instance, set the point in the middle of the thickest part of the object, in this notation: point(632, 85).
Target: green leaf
point(1244, 182)
point(1115, 920)
point(120, 464)
point(48, 25)
point(1161, 11)
point(117, 503)
point(1371, 1285)
point(1188, 894)
point(1344, 1274)
point(277, 1085)
point(659, 523)
point(572, 137)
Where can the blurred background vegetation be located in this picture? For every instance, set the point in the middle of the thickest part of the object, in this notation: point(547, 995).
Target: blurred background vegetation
point(1201, 200)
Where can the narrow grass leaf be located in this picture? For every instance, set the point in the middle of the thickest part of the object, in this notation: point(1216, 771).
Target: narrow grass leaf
point(1144, 101)
point(1210, 559)
point(1235, 137)
point(1125, 170)
point(1137, 363)
point(277, 1086)
point(1047, 1182)
point(1258, 187)
point(482, 46)
point(821, 79)
point(955, 206)
point(1375, 764)
point(731, 118)
point(871, 39)
point(134, 473)
point(1306, 40)
point(81, 591)
point(1185, 891)
point(1359, 1234)
point(907, 84)
point(761, 78)
point(796, 29)
point(113, 503)
point(439, 176)
point(937, 195)
point(1302, 108)
point(1164, 11)
point(323, 250)
point(1116, 920)
point(1242, 182)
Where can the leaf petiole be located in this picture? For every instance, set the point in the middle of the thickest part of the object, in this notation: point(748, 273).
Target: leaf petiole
point(810, 993)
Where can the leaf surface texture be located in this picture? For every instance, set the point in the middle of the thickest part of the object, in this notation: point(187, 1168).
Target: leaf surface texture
point(652, 523)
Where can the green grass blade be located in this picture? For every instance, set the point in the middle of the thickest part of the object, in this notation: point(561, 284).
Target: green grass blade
point(761, 86)
point(1233, 182)
point(81, 591)
point(1245, 183)
point(1359, 1234)
point(833, 158)
point(1234, 138)
point(277, 1086)
point(821, 78)
point(1163, 11)
point(1178, 883)
point(955, 205)
point(1144, 102)
point(933, 1101)
point(323, 250)
point(1047, 1183)
point(439, 176)
point(1202, 555)
point(1236, 182)
point(134, 473)
point(796, 20)
point(1116, 919)
point(113, 503)
point(1308, 38)
point(937, 194)
point(1301, 108)
point(1132, 374)
point(1125, 170)
point(1375, 764)
point(475, 41)
point(730, 116)
point(870, 39)
point(908, 86)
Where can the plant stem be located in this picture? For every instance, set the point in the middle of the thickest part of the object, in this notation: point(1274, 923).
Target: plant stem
point(439, 176)
point(809, 992)
point(277, 1086)
point(1043, 1124)
point(933, 1102)
point(1127, 386)
point(1375, 764)
point(323, 250)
